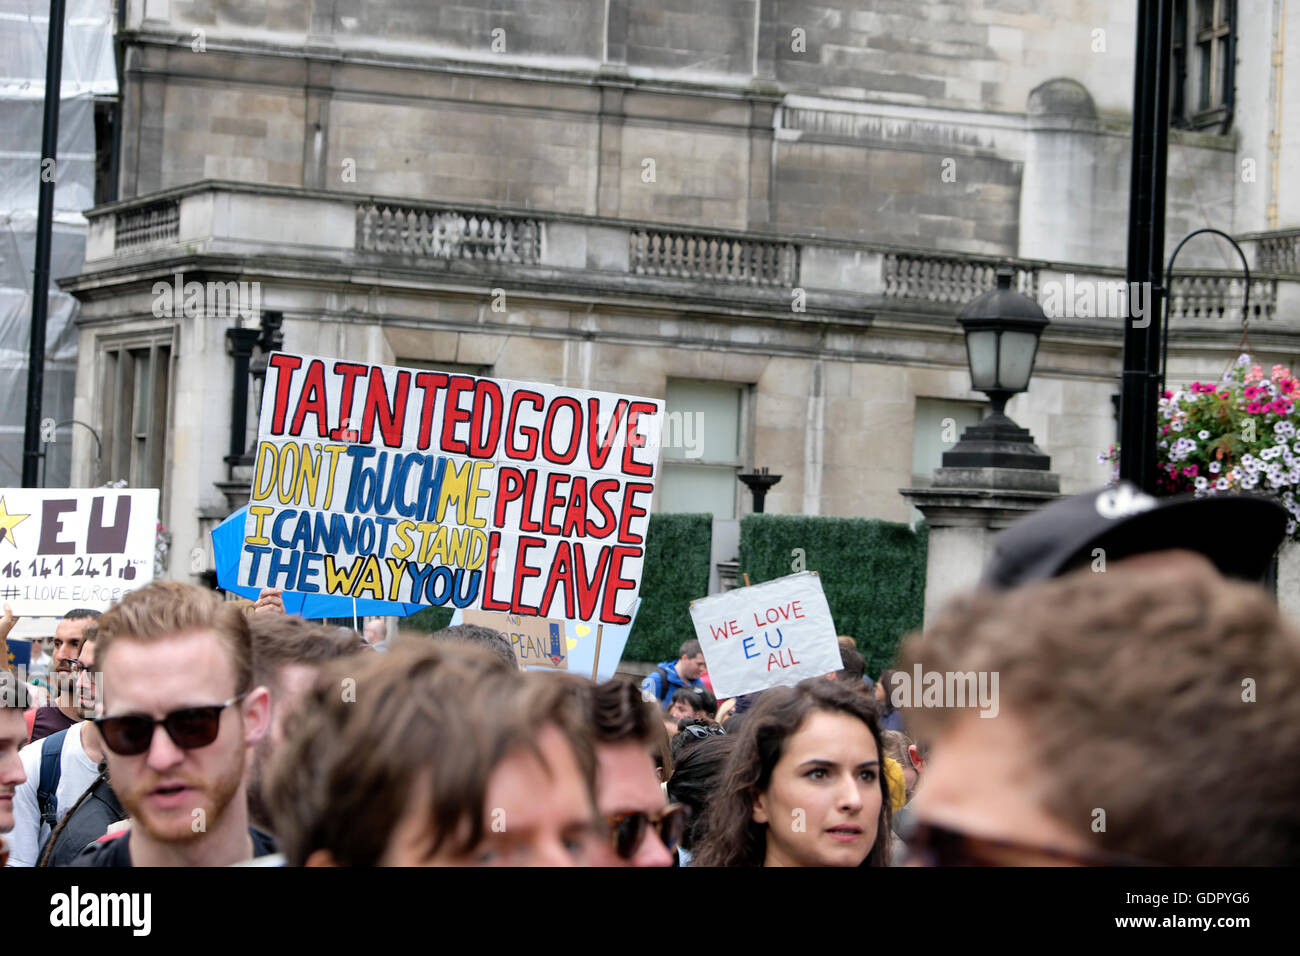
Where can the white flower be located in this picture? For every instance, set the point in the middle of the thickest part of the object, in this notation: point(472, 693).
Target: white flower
point(1202, 484)
point(1243, 359)
point(1222, 484)
point(1214, 467)
point(1290, 527)
point(1203, 434)
point(1177, 426)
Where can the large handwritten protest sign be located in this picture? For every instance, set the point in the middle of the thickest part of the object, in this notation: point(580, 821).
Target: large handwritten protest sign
point(778, 632)
point(396, 484)
point(62, 549)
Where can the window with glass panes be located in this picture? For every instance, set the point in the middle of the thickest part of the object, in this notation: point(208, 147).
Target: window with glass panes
point(702, 450)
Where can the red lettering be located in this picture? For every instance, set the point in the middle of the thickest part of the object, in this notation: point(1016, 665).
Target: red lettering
point(430, 382)
point(577, 513)
point(614, 583)
point(720, 632)
point(390, 418)
point(284, 366)
point(510, 485)
point(453, 414)
point(350, 372)
point(529, 451)
point(636, 440)
point(599, 492)
point(526, 520)
point(552, 501)
point(630, 511)
point(607, 442)
point(486, 393)
point(522, 572)
point(575, 435)
point(588, 588)
point(561, 571)
point(311, 400)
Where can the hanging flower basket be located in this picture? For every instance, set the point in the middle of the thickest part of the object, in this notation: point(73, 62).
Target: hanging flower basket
point(1239, 434)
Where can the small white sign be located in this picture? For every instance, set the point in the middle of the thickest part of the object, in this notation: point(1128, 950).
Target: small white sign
point(770, 634)
point(83, 548)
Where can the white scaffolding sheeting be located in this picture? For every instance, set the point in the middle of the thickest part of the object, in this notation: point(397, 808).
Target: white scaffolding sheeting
point(88, 72)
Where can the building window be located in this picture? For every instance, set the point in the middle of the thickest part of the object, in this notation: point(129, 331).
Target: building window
point(138, 376)
point(1202, 62)
point(936, 427)
point(702, 448)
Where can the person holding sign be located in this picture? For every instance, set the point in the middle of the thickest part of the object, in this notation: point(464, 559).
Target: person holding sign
point(803, 785)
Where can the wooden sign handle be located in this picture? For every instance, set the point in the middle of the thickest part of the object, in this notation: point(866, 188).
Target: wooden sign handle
point(595, 664)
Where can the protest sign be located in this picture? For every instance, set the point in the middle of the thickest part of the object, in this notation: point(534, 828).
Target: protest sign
point(62, 549)
point(778, 632)
point(584, 642)
point(372, 481)
point(536, 641)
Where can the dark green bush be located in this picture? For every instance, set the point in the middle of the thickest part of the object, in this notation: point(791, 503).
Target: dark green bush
point(676, 572)
point(873, 572)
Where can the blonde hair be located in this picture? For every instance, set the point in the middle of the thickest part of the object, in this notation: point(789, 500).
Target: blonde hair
point(168, 609)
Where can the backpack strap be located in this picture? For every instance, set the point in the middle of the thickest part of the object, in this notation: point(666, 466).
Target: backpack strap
point(51, 769)
point(664, 687)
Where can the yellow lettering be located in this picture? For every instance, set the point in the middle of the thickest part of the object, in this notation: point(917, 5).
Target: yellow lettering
point(310, 479)
point(404, 545)
point(259, 512)
point(459, 547)
point(372, 579)
point(477, 551)
point(395, 566)
point(266, 456)
point(455, 488)
point(283, 469)
point(476, 492)
point(338, 580)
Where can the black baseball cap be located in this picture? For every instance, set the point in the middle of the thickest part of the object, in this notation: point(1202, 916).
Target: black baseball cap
point(1239, 533)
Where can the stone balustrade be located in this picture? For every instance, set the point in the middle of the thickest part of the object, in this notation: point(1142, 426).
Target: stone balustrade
point(216, 217)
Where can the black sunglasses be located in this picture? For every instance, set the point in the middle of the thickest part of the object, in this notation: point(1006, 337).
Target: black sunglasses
point(628, 830)
point(189, 729)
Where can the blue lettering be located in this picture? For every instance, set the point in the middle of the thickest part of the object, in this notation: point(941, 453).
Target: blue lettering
point(308, 571)
point(747, 642)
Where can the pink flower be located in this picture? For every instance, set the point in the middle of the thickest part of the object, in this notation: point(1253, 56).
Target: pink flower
point(1251, 392)
point(1223, 395)
point(1255, 374)
point(1281, 371)
point(1254, 408)
point(1286, 385)
point(1168, 394)
point(1190, 471)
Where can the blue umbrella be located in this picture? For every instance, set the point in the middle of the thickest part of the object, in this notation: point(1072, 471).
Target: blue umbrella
point(228, 542)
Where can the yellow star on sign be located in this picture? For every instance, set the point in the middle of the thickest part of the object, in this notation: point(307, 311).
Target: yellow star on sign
point(8, 522)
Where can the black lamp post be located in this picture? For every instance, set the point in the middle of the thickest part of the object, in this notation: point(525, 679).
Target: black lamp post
point(758, 483)
point(1002, 329)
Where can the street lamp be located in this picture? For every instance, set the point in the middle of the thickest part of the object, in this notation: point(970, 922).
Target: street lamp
point(1002, 328)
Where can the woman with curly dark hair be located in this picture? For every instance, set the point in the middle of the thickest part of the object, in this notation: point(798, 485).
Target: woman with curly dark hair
point(802, 785)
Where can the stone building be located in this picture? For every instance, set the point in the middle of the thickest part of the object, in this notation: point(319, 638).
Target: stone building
point(767, 212)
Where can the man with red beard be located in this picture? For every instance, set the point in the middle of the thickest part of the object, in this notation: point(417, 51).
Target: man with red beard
point(181, 715)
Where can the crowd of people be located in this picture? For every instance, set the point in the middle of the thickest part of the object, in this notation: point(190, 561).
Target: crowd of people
point(183, 729)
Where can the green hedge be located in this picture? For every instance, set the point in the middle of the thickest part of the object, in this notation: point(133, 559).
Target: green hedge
point(676, 572)
point(873, 572)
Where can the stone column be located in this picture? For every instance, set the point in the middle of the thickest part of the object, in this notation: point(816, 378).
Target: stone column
point(965, 509)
